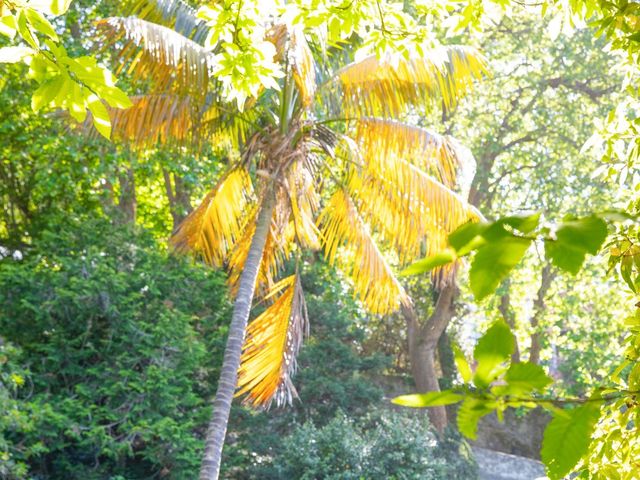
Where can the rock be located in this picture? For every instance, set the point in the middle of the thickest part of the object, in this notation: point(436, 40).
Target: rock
point(502, 466)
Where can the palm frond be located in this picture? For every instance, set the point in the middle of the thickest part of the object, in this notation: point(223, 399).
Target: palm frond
point(291, 45)
point(396, 218)
point(212, 229)
point(304, 69)
point(304, 201)
point(380, 140)
point(387, 87)
point(174, 14)
point(150, 51)
point(374, 282)
point(167, 119)
point(277, 247)
point(271, 347)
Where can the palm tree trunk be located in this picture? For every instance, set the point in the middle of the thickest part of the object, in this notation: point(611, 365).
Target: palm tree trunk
point(217, 429)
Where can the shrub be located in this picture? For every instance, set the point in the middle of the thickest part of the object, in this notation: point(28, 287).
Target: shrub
point(119, 343)
point(384, 444)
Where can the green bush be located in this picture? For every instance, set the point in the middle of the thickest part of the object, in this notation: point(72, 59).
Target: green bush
point(119, 345)
point(384, 444)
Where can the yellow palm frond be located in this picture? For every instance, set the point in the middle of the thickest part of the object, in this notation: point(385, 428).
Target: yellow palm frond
point(212, 229)
point(389, 86)
point(172, 61)
point(304, 69)
point(292, 45)
point(172, 119)
point(174, 14)
point(396, 218)
point(374, 282)
point(271, 346)
point(277, 248)
point(304, 201)
point(379, 140)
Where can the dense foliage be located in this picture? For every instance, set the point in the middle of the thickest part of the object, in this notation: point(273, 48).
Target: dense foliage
point(109, 353)
point(109, 345)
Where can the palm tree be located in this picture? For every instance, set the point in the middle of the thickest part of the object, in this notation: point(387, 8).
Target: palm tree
point(325, 161)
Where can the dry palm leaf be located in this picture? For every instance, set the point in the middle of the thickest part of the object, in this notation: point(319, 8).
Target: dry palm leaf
point(211, 229)
point(304, 72)
point(271, 346)
point(379, 140)
point(153, 51)
point(387, 87)
point(373, 280)
point(174, 14)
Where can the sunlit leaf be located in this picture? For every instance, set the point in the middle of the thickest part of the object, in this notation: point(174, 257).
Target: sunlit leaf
point(429, 399)
point(492, 350)
point(567, 438)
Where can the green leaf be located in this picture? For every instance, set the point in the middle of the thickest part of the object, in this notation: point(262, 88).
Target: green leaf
point(525, 377)
point(115, 97)
point(58, 7)
point(25, 30)
point(429, 399)
point(40, 24)
point(493, 262)
point(53, 7)
point(493, 348)
point(14, 54)
point(46, 92)
point(470, 413)
point(8, 26)
point(523, 223)
point(101, 119)
point(567, 438)
point(429, 263)
point(574, 239)
point(461, 363)
point(468, 237)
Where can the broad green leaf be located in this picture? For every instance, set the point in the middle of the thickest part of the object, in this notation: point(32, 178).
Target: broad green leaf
point(574, 239)
point(494, 348)
point(115, 97)
point(429, 399)
point(461, 363)
point(77, 107)
point(567, 438)
point(429, 263)
point(8, 26)
point(523, 223)
point(14, 54)
point(525, 377)
point(25, 30)
point(469, 414)
point(58, 7)
point(493, 262)
point(40, 24)
point(634, 378)
point(53, 7)
point(467, 237)
point(47, 91)
point(101, 119)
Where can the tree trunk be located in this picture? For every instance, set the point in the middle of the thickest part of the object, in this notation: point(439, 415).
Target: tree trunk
point(217, 429)
point(127, 202)
point(538, 311)
point(423, 342)
point(510, 317)
point(447, 361)
point(178, 197)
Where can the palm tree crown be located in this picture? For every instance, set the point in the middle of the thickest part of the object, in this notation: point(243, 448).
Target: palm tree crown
point(325, 156)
